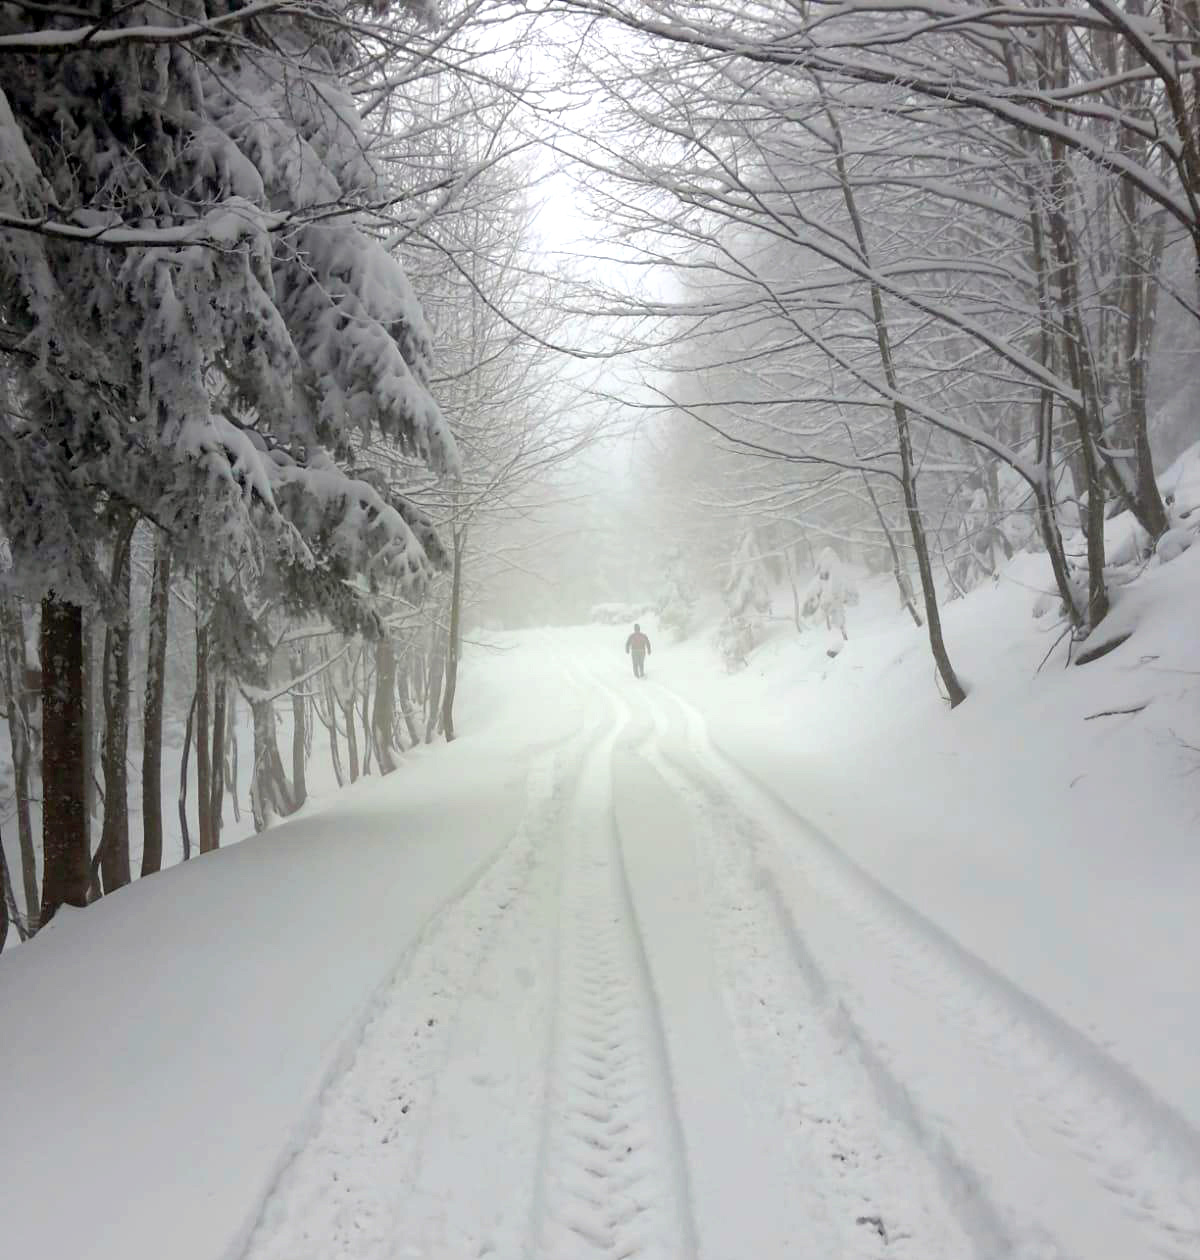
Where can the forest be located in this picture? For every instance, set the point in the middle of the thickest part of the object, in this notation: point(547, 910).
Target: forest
point(312, 311)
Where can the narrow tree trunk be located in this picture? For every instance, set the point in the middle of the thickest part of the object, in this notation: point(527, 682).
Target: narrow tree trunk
point(93, 796)
point(433, 694)
point(203, 736)
point(368, 739)
point(454, 636)
point(271, 794)
point(351, 740)
point(384, 716)
point(217, 761)
point(152, 737)
point(933, 619)
point(64, 805)
point(5, 894)
point(231, 753)
point(20, 726)
point(299, 717)
point(406, 704)
point(183, 780)
point(335, 752)
point(114, 834)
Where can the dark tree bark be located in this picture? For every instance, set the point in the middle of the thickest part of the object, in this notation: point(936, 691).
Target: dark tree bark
point(156, 675)
point(351, 739)
point(270, 793)
point(114, 834)
point(299, 724)
point(5, 894)
point(203, 733)
point(20, 729)
point(217, 762)
point(184, 835)
point(64, 758)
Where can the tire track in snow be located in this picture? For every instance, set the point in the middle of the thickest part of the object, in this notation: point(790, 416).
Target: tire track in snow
point(342, 1190)
point(1083, 1117)
point(781, 1123)
point(866, 1190)
point(612, 1178)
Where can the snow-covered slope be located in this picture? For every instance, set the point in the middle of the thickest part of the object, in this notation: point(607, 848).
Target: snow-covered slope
point(1049, 825)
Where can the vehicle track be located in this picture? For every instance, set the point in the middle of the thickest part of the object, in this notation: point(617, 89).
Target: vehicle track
point(612, 1176)
point(1093, 1119)
point(337, 1196)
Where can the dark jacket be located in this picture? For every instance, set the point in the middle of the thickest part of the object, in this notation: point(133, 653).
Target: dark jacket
point(637, 643)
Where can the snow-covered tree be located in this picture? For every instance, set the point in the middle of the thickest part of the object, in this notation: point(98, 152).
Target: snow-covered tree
point(829, 592)
point(200, 321)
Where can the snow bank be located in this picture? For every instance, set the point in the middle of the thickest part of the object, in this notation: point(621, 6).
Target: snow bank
point(1049, 824)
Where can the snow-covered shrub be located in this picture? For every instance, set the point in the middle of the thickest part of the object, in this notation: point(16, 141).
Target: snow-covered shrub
point(830, 592)
point(735, 640)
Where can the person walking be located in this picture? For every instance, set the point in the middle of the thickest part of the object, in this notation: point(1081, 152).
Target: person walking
point(637, 646)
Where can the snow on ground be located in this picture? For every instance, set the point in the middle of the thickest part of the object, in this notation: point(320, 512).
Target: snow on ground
point(1044, 829)
point(788, 962)
point(160, 1049)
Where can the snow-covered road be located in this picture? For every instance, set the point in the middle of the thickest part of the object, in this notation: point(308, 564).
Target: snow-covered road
point(669, 1019)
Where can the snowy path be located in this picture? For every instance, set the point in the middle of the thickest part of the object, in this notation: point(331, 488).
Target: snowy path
point(669, 1020)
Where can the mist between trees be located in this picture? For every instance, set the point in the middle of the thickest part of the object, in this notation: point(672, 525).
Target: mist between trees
point(289, 365)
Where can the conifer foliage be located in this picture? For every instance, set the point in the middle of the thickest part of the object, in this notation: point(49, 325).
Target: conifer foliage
point(200, 326)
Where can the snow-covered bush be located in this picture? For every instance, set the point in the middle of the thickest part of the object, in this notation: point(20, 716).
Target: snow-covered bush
point(830, 592)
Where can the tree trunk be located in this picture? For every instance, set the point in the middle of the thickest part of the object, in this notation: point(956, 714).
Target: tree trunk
point(433, 694)
point(351, 740)
point(270, 793)
point(217, 761)
point(20, 729)
point(64, 805)
point(203, 735)
point(183, 780)
point(5, 894)
point(231, 753)
point(406, 704)
point(152, 737)
point(933, 619)
point(384, 716)
point(114, 834)
point(454, 636)
point(299, 783)
point(335, 752)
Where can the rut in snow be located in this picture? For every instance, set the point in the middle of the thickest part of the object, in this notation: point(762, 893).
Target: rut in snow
point(612, 1178)
point(1058, 1102)
point(342, 1192)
